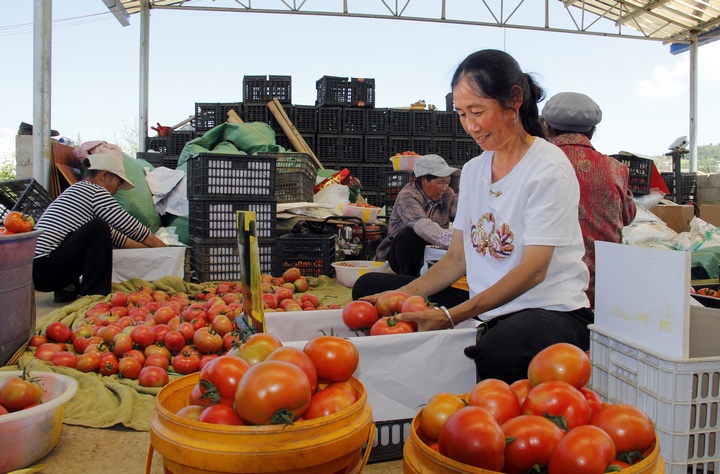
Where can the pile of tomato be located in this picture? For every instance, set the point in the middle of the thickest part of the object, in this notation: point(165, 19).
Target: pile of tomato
point(275, 384)
point(19, 393)
point(379, 318)
point(550, 422)
point(16, 222)
point(144, 334)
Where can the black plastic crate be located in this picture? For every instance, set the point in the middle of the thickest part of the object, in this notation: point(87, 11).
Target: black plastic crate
point(157, 144)
point(390, 440)
point(211, 114)
point(313, 254)
point(330, 120)
point(394, 182)
point(223, 175)
point(214, 219)
point(170, 161)
point(355, 92)
point(400, 122)
point(295, 177)
point(352, 148)
point(311, 141)
point(445, 147)
point(353, 120)
point(177, 140)
point(155, 159)
point(445, 123)
point(689, 183)
point(305, 118)
point(23, 195)
point(374, 198)
point(423, 122)
point(465, 150)
point(399, 145)
point(219, 260)
point(329, 148)
point(640, 172)
point(372, 177)
point(376, 149)
point(449, 102)
point(423, 145)
point(459, 130)
point(256, 113)
point(377, 121)
point(263, 89)
point(282, 140)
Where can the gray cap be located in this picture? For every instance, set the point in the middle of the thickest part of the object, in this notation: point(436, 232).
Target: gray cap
point(433, 165)
point(572, 111)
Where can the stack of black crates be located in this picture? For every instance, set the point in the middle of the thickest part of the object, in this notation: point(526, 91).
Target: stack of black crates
point(218, 186)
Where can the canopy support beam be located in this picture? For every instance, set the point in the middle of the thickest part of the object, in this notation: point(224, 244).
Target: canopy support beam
point(692, 126)
point(42, 66)
point(144, 80)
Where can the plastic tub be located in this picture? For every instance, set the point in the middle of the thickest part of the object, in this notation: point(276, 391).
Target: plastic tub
point(367, 214)
point(348, 271)
point(16, 259)
point(404, 162)
point(26, 436)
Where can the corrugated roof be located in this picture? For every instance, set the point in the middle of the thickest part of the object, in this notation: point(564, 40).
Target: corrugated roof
point(672, 21)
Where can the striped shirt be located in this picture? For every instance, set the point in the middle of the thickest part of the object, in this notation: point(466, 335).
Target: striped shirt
point(78, 205)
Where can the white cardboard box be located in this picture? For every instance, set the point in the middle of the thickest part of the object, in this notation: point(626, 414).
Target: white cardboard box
point(642, 295)
point(150, 264)
point(400, 372)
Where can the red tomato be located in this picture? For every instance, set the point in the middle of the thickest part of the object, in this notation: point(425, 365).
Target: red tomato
point(347, 386)
point(328, 401)
point(58, 332)
point(359, 315)
point(531, 441)
point(156, 349)
point(558, 399)
point(151, 376)
point(521, 388)
point(390, 302)
point(272, 392)
point(436, 412)
point(121, 343)
point(18, 392)
point(472, 436)
point(222, 324)
point(46, 351)
point(129, 368)
point(206, 341)
point(594, 400)
point(583, 450)
point(88, 363)
point(496, 397)
point(38, 339)
point(299, 358)
point(17, 222)
point(414, 303)
point(390, 325)
point(64, 359)
point(628, 426)
point(222, 376)
point(257, 347)
point(220, 415)
point(108, 365)
point(186, 363)
point(335, 358)
point(157, 360)
point(142, 335)
point(174, 341)
point(561, 361)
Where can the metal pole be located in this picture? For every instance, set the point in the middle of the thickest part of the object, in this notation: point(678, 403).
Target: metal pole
point(144, 73)
point(42, 65)
point(693, 103)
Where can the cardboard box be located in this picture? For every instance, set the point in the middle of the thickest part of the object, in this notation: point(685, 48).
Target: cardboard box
point(677, 217)
point(710, 213)
point(642, 296)
point(400, 372)
point(150, 264)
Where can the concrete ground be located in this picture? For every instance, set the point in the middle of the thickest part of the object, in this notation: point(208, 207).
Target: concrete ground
point(119, 450)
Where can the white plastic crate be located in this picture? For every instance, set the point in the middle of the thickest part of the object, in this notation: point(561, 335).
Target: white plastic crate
point(681, 396)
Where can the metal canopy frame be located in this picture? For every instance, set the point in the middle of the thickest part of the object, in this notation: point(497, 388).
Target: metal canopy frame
point(683, 23)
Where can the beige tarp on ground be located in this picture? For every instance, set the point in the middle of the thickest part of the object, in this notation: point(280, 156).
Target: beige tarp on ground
point(103, 402)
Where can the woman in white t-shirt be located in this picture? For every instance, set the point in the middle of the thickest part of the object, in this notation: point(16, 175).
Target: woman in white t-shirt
point(516, 233)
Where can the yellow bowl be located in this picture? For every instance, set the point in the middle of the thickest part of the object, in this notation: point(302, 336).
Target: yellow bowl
point(404, 162)
point(348, 271)
point(367, 214)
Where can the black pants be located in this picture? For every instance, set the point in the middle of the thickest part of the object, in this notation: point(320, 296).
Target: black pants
point(372, 283)
point(87, 252)
point(406, 252)
point(505, 349)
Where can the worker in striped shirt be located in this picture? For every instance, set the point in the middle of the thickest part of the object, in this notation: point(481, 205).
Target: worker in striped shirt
point(73, 255)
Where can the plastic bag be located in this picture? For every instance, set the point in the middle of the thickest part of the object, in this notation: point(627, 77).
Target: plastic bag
point(336, 195)
point(169, 236)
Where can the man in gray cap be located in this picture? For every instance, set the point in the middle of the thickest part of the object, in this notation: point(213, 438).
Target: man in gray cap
point(606, 203)
point(421, 215)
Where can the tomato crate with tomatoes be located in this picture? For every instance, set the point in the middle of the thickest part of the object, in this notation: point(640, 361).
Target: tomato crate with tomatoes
point(393, 368)
point(313, 254)
point(23, 195)
point(679, 395)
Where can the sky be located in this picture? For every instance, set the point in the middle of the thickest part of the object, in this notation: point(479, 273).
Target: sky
point(642, 89)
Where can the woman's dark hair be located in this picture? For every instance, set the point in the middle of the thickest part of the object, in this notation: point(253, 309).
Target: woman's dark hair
point(493, 73)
